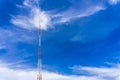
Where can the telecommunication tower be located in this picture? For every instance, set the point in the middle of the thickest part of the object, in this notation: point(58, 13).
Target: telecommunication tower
point(39, 77)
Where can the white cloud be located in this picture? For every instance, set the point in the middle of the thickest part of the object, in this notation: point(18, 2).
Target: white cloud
point(9, 41)
point(72, 13)
point(7, 73)
point(36, 15)
point(106, 73)
point(95, 73)
point(34, 18)
point(14, 36)
point(113, 2)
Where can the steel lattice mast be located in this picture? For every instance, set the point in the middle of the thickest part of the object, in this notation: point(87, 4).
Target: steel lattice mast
point(39, 54)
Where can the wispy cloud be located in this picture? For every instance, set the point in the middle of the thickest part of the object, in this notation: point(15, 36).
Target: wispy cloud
point(72, 13)
point(34, 18)
point(95, 73)
point(10, 42)
point(13, 37)
point(36, 15)
point(11, 74)
point(114, 2)
point(106, 73)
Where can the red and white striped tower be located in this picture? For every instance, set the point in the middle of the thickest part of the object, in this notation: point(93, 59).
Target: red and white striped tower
point(39, 54)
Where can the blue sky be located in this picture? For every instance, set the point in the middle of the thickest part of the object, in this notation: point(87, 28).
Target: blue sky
point(80, 39)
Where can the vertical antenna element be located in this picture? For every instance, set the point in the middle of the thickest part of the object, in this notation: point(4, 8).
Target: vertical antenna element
point(39, 54)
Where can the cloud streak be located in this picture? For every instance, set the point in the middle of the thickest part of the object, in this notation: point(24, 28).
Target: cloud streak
point(72, 13)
